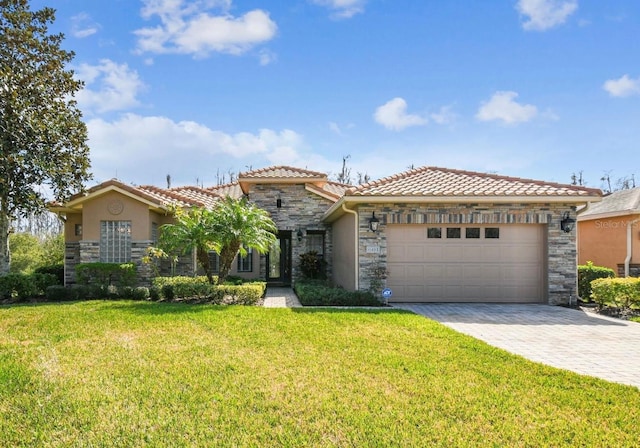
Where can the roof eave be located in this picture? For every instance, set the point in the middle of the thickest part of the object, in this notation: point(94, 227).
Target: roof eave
point(605, 215)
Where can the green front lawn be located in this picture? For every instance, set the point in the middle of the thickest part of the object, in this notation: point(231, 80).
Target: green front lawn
point(102, 373)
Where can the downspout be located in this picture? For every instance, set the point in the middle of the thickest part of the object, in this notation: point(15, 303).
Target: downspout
point(357, 245)
point(627, 260)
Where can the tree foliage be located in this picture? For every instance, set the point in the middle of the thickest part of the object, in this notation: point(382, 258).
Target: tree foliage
point(238, 226)
point(232, 226)
point(42, 136)
point(29, 252)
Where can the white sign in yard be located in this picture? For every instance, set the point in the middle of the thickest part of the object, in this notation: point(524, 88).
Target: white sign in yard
point(387, 293)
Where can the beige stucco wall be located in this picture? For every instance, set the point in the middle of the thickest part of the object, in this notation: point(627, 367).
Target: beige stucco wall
point(72, 219)
point(604, 241)
point(344, 254)
point(114, 206)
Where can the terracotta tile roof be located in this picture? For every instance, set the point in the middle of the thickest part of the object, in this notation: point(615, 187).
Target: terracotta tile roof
point(336, 189)
point(166, 197)
point(232, 190)
point(203, 196)
point(442, 182)
point(278, 172)
point(623, 202)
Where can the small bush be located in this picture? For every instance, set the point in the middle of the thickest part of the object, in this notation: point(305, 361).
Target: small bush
point(105, 274)
point(140, 293)
point(56, 270)
point(322, 294)
point(586, 274)
point(155, 293)
point(198, 288)
point(616, 292)
point(56, 293)
point(19, 287)
point(313, 266)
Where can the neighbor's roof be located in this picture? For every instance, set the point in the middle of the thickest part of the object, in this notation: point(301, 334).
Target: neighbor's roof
point(444, 182)
point(618, 203)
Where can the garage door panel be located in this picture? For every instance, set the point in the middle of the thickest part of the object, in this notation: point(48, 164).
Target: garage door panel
point(507, 269)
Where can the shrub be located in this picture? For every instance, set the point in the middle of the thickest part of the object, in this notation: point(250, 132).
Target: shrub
point(56, 270)
point(154, 293)
point(586, 274)
point(105, 274)
point(172, 288)
point(616, 292)
point(57, 293)
point(322, 294)
point(25, 286)
point(312, 265)
point(140, 293)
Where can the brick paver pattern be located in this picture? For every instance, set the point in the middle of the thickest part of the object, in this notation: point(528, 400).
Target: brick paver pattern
point(570, 339)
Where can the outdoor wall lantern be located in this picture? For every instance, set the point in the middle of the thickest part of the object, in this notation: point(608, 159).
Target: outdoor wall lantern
point(278, 203)
point(299, 235)
point(374, 223)
point(567, 223)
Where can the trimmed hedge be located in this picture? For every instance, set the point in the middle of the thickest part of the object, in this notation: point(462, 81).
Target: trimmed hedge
point(616, 292)
point(198, 288)
point(322, 294)
point(105, 274)
point(54, 269)
point(586, 274)
point(19, 287)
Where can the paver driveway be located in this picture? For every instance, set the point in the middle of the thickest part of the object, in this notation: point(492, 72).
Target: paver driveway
point(570, 339)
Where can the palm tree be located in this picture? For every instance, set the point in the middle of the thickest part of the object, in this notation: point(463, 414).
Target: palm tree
point(232, 226)
point(238, 226)
point(192, 230)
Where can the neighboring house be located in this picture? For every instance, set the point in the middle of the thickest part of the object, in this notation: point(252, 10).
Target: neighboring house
point(609, 233)
point(429, 234)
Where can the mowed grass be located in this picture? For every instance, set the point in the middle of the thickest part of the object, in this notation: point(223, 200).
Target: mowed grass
point(101, 373)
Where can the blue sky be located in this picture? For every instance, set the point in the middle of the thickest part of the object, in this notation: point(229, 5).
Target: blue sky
point(198, 89)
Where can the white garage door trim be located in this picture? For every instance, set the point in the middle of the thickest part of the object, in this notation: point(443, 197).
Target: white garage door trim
point(466, 263)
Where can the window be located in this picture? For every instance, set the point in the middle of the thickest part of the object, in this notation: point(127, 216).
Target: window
point(472, 232)
point(115, 241)
point(214, 262)
point(434, 232)
point(453, 232)
point(154, 232)
point(315, 241)
point(492, 232)
point(245, 264)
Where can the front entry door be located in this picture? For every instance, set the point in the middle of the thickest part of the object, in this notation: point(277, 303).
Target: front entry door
point(279, 259)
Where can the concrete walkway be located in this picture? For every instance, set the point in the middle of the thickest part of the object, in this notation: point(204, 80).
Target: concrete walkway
point(280, 297)
point(570, 339)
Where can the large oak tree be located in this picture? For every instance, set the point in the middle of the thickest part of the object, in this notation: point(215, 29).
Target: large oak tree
point(42, 135)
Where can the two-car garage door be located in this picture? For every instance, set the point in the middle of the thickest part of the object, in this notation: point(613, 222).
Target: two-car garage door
point(466, 263)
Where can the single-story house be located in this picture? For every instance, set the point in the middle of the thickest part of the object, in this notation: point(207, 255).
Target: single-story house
point(609, 233)
point(428, 234)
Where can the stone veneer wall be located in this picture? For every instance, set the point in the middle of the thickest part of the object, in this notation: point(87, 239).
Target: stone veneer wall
point(301, 209)
point(89, 252)
point(71, 259)
point(634, 270)
point(561, 246)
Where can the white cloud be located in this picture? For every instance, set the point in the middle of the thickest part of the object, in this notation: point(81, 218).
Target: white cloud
point(83, 26)
point(541, 15)
point(108, 87)
point(444, 116)
point(393, 115)
point(267, 57)
point(342, 9)
point(185, 149)
point(623, 86)
point(187, 28)
point(502, 106)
